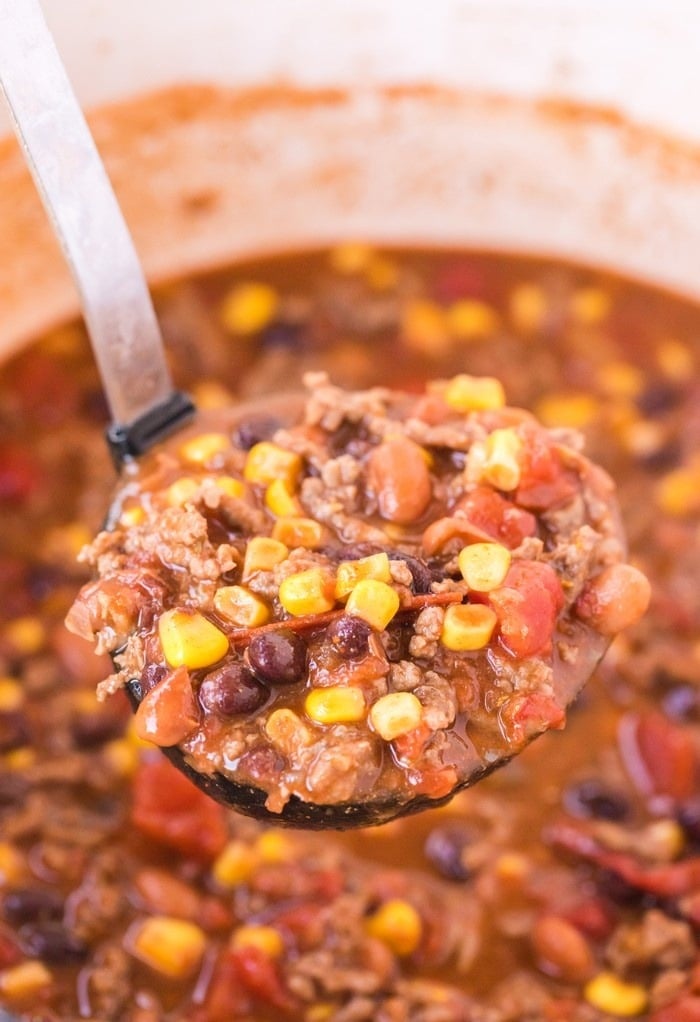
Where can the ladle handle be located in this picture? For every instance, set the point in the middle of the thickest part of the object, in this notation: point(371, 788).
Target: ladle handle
point(88, 222)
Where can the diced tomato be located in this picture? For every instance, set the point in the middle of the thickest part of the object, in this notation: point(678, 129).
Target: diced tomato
point(261, 977)
point(659, 755)
point(225, 999)
point(168, 808)
point(545, 482)
point(497, 516)
point(168, 713)
point(408, 747)
point(433, 783)
point(527, 605)
point(19, 474)
point(431, 408)
point(525, 716)
point(685, 1009)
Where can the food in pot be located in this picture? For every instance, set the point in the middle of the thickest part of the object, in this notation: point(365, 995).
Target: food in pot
point(563, 887)
point(382, 599)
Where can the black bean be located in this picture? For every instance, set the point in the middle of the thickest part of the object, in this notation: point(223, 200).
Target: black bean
point(658, 398)
point(278, 657)
point(52, 943)
point(13, 730)
point(349, 636)
point(281, 334)
point(31, 904)
point(689, 818)
point(96, 728)
point(423, 576)
point(593, 799)
point(396, 641)
point(231, 690)
point(682, 701)
point(253, 430)
point(444, 849)
point(152, 675)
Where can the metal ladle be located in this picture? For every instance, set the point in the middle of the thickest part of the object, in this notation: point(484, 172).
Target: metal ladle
point(128, 347)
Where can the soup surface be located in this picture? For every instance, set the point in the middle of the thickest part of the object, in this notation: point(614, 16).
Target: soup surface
point(564, 887)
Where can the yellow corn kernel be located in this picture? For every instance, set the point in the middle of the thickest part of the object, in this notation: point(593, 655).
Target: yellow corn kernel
point(621, 379)
point(287, 731)
point(376, 566)
point(235, 864)
point(19, 759)
point(132, 516)
point(209, 395)
point(264, 938)
point(24, 980)
point(12, 867)
point(25, 634)
point(574, 410)
point(241, 607)
point(280, 500)
point(643, 437)
point(230, 486)
point(502, 464)
point(678, 492)
point(190, 640)
point(203, 449)
point(335, 704)
point(67, 540)
point(262, 554)
point(322, 1012)
point(528, 307)
point(248, 308)
point(465, 393)
point(182, 491)
point(512, 868)
point(664, 839)
point(134, 739)
point(396, 714)
point(484, 565)
point(398, 925)
point(381, 273)
point(266, 462)
point(424, 327)
point(307, 592)
point(275, 847)
point(375, 602)
point(470, 320)
point(675, 360)
point(609, 994)
point(173, 947)
point(467, 626)
point(297, 531)
point(590, 305)
point(350, 258)
point(11, 694)
point(122, 757)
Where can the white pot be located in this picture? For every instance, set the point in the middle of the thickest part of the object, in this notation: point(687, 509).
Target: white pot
point(564, 127)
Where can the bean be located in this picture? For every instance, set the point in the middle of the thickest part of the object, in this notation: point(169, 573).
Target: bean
point(561, 950)
point(30, 904)
point(278, 657)
point(52, 943)
point(281, 334)
point(349, 636)
point(398, 477)
point(444, 849)
point(231, 690)
point(13, 730)
point(423, 577)
point(689, 818)
point(614, 599)
point(591, 798)
point(253, 430)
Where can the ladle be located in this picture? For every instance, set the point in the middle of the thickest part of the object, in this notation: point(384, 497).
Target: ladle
point(127, 343)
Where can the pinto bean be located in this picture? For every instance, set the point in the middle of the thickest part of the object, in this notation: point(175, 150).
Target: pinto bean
point(614, 599)
point(561, 950)
point(398, 476)
point(442, 531)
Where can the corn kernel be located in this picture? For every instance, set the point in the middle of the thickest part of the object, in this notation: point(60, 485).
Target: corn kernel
point(24, 980)
point(335, 704)
point(664, 840)
point(262, 554)
point(209, 395)
point(266, 462)
point(678, 492)
point(230, 486)
point(675, 360)
point(241, 607)
point(376, 566)
point(295, 532)
point(67, 540)
point(182, 491)
point(350, 258)
point(608, 993)
point(235, 864)
point(25, 634)
point(465, 393)
point(11, 694)
point(173, 947)
point(264, 938)
point(190, 640)
point(590, 305)
point(122, 757)
point(398, 925)
point(512, 868)
point(132, 516)
point(322, 1012)
point(424, 327)
point(248, 308)
point(467, 626)
point(574, 410)
point(307, 592)
point(12, 864)
point(280, 500)
point(621, 379)
point(396, 714)
point(19, 759)
point(502, 465)
point(134, 739)
point(287, 731)
point(528, 307)
point(375, 602)
point(205, 448)
point(275, 847)
point(381, 273)
point(484, 565)
point(470, 320)
point(643, 438)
